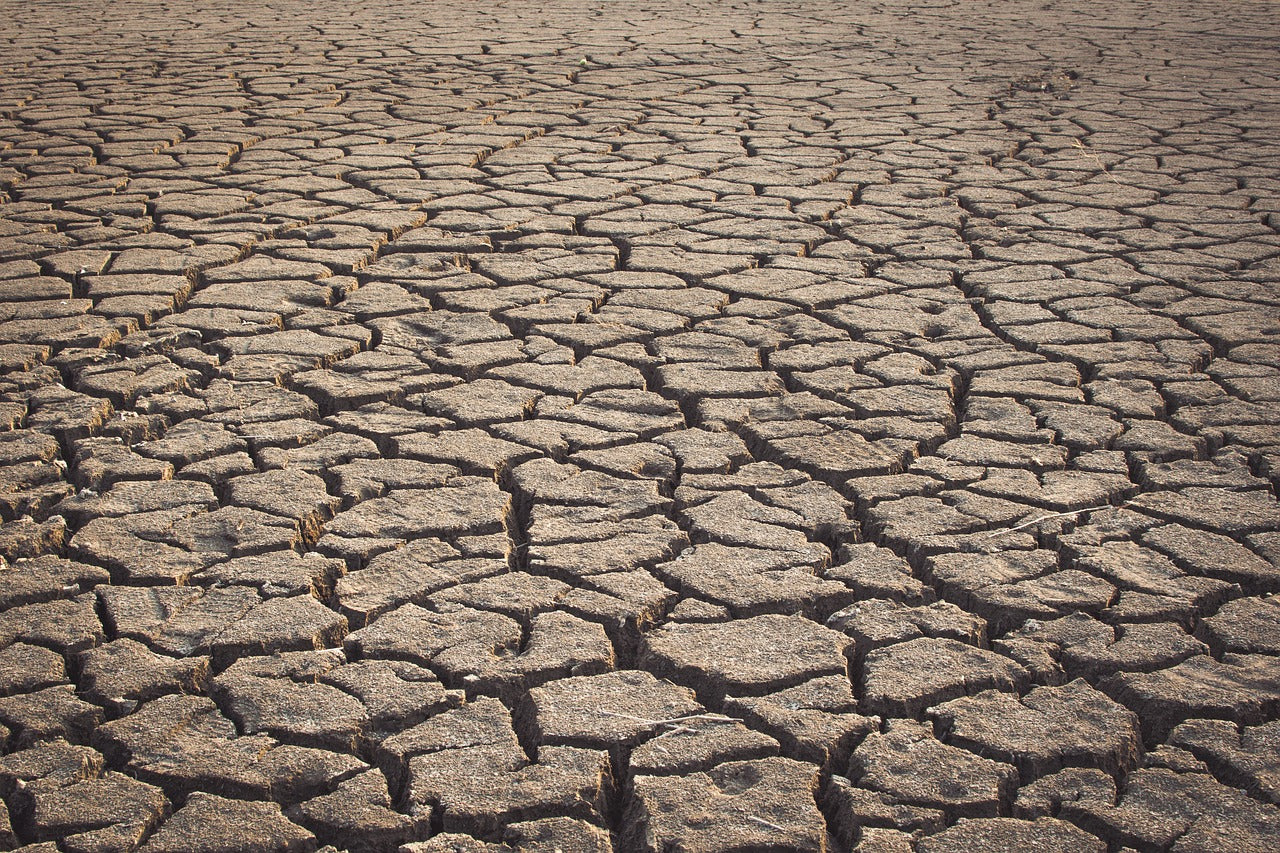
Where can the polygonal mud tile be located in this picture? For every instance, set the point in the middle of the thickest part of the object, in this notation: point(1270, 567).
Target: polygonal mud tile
point(911, 767)
point(745, 656)
point(208, 823)
point(903, 679)
point(766, 803)
point(1050, 727)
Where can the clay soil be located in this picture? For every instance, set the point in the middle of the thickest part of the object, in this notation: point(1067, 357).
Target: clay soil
point(593, 426)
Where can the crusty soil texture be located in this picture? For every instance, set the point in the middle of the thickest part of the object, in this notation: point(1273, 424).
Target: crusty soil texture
point(593, 426)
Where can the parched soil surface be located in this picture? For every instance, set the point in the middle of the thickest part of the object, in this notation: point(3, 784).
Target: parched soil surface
point(590, 426)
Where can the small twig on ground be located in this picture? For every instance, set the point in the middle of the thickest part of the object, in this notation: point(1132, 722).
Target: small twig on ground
point(1033, 522)
point(678, 730)
point(1096, 159)
point(675, 722)
point(767, 823)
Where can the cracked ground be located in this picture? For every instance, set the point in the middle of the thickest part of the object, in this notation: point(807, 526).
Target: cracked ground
point(582, 427)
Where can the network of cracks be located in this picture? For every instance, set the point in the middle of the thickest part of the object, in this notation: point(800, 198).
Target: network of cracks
point(591, 427)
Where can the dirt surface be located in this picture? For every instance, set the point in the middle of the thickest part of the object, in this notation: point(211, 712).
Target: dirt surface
point(591, 426)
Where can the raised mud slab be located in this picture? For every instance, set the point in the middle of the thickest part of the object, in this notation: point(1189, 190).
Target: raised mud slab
point(591, 426)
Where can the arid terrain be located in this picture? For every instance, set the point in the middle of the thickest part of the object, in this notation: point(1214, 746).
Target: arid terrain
point(617, 426)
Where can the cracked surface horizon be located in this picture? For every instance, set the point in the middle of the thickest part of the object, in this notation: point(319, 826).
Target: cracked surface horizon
point(600, 426)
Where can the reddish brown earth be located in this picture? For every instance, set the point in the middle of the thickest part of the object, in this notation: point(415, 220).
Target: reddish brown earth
point(592, 426)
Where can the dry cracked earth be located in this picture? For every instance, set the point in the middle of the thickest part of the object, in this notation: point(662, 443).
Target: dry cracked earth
point(586, 427)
